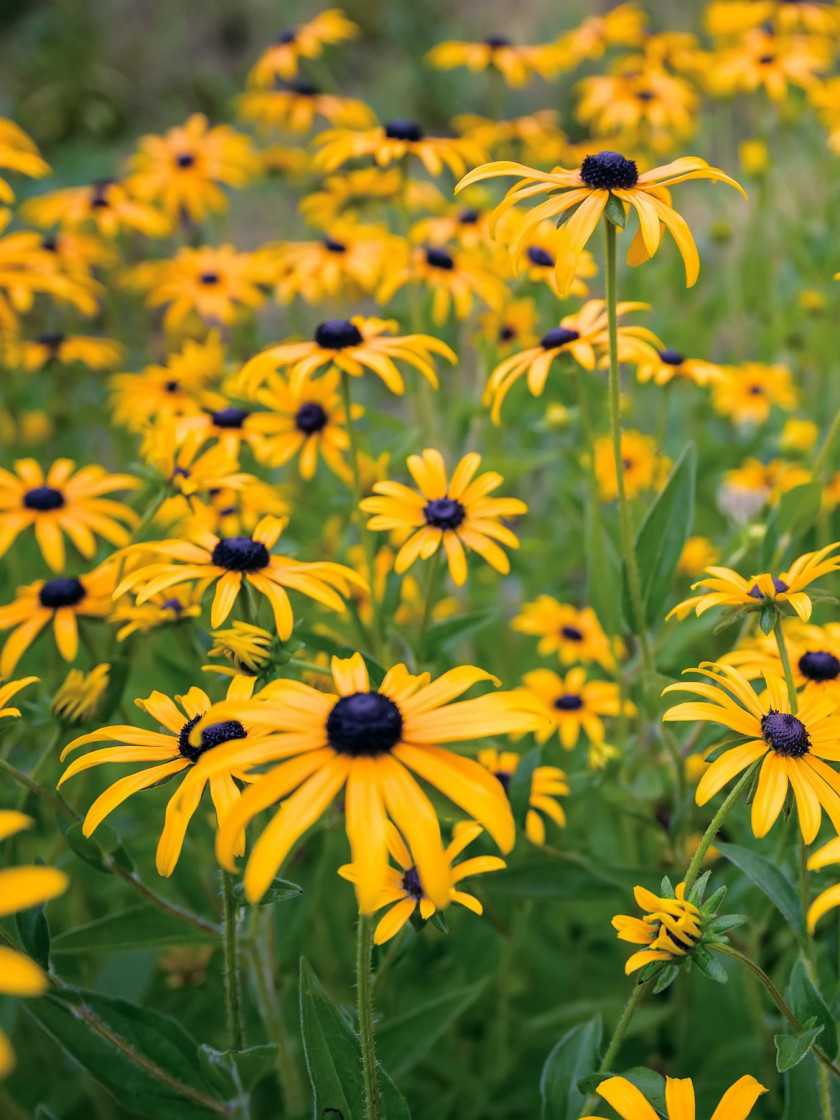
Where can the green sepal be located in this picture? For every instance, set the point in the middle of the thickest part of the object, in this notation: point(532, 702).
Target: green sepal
point(615, 212)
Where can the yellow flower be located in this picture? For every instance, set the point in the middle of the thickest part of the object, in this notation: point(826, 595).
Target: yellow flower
point(631, 1104)
point(295, 108)
point(548, 783)
point(20, 889)
point(754, 156)
point(352, 345)
point(814, 653)
point(447, 514)
point(724, 18)
point(247, 647)
point(307, 40)
point(670, 364)
point(511, 327)
point(535, 135)
point(162, 609)
point(347, 263)
point(572, 704)
point(764, 482)
point(516, 64)
point(726, 588)
point(454, 280)
point(65, 349)
point(828, 899)
point(799, 435)
point(7, 691)
point(638, 104)
point(175, 388)
point(404, 887)
point(698, 553)
point(670, 928)
point(748, 391)
point(589, 188)
point(184, 170)
point(792, 747)
point(575, 635)
point(623, 26)
point(105, 205)
point(232, 562)
point(644, 468)
point(342, 195)
point(367, 741)
point(186, 465)
point(812, 301)
point(20, 154)
point(28, 269)
point(78, 697)
point(63, 502)
point(761, 59)
point(393, 142)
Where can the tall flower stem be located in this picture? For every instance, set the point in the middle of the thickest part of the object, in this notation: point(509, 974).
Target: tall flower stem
point(611, 1053)
point(364, 1003)
point(822, 459)
point(779, 635)
point(715, 825)
point(233, 990)
point(429, 601)
point(367, 538)
point(625, 522)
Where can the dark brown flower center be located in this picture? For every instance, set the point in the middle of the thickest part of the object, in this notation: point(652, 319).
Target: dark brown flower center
point(230, 417)
point(337, 334)
point(540, 257)
point(209, 278)
point(185, 160)
point(671, 357)
point(52, 341)
point(609, 170)
point(240, 554)
point(779, 586)
point(444, 513)
point(334, 246)
point(568, 702)
point(310, 418)
point(557, 337)
point(439, 258)
point(66, 591)
point(411, 883)
point(403, 130)
point(43, 498)
point(212, 736)
point(819, 665)
point(785, 734)
point(364, 723)
point(572, 634)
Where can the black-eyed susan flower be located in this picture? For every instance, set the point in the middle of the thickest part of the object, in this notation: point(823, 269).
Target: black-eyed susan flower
point(171, 752)
point(184, 170)
point(18, 153)
point(698, 553)
point(391, 143)
point(535, 135)
point(79, 695)
point(516, 63)
point(669, 930)
point(829, 899)
point(792, 747)
point(79, 252)
point(215, 284)
point(63, 502)
point(623, 26)
point(727, 588)
point(799, 435)
point(643, 467)
point(548, 783)
point(367, 741)
point(761, 59)
point(166, 608)
point(446, 513)
point(454, 278)
point(28, 270)
point(404, 892)
point(814, 653)
point(187, 466)
point(464, 223)
point(233, 562)
point(670, 365)
point(105, 206)
point(352, 192)
point(347, 263)
point(306, 422)
point(572, 704)
point(638, 104)
point(512, 327)
point(631, 1104)
point(306, 40)
point(21, 888)
point(352, 345)
point(61, 601)
point(746, 489)
point(584, 337)
point(600, 177)
point(730, 18)
point(65, 349)
point(176, 387)
point(573, 634)
point(245, 646)
point(7, 691)
point(747, 392)
point(294, 107)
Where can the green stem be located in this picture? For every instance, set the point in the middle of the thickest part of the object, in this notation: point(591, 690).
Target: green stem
point(42, 759)
point(625, 524)
point(715, 824)
point(233, 991)
point(429, 601)
point(821, 460)
point(617, 1038)
point(364, 998)
point(779, 635)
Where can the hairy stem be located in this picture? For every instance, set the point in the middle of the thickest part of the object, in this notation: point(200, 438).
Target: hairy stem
point(364, 1002)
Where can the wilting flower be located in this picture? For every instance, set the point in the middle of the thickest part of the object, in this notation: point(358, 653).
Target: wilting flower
point(792, 747)
point(447, 514)
point(105, 205)
point(575, 635)
point(572, 704)
point(548, 783)
point(77, 699)
point(352, 345)
point(642, 465)
point(515, 63)
point(366, 741)
point(63, 502)
point(404, 888)
point(65, 349)
point(391, 143)
point(171, 752)
point(184, 170)
point(232, 563)
point(631, 1104)
point(247, 647)
point(727, 588)
point(589, 188)
point(307, 40)
point(295, 107)
point(747, 392)
point(20, 889)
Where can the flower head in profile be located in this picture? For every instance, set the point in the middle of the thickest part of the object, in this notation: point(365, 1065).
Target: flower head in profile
point(294, 107)
point(167, 752)
point(572, 704)
point(63, 502)
point(747, 392)
point(548, 785)
point(601, 177)
point(671, 365)
point(21, 888)
point(352, 345)
point(517, 64)
point(370, 742)
point(793, 748)
point(393, 142)
point(724, 587)
point(61, 601)
point(106, 206)
point(404, 892)
point(234, 562)
point(306, 40)
point(631, 1104)
point(184, 170)
point(63, 349)
point(574, 634)
point(77, 699)
point(446, 513)
point(165, 608)
point(247, 647)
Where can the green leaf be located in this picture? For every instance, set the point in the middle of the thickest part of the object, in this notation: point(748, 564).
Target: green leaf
point(281, 890)
point(799, 508)
point(145, 1060)
point(807, 1003)
point(540, 879)
point(133, 928)
point(441, 635)
point(802, 1094)
point(767, 618)
point(651, 1084)
point(34, 933)
point(404, 1040)
point(572, 1058)
point(101, 850)
point(325, 644)
point(519, 788)
point(709, 965)
point(334, 1058)
point(615, 212)
point(769, 879)
point(240, 1069)
point(662, 536)
point(792, 1048)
